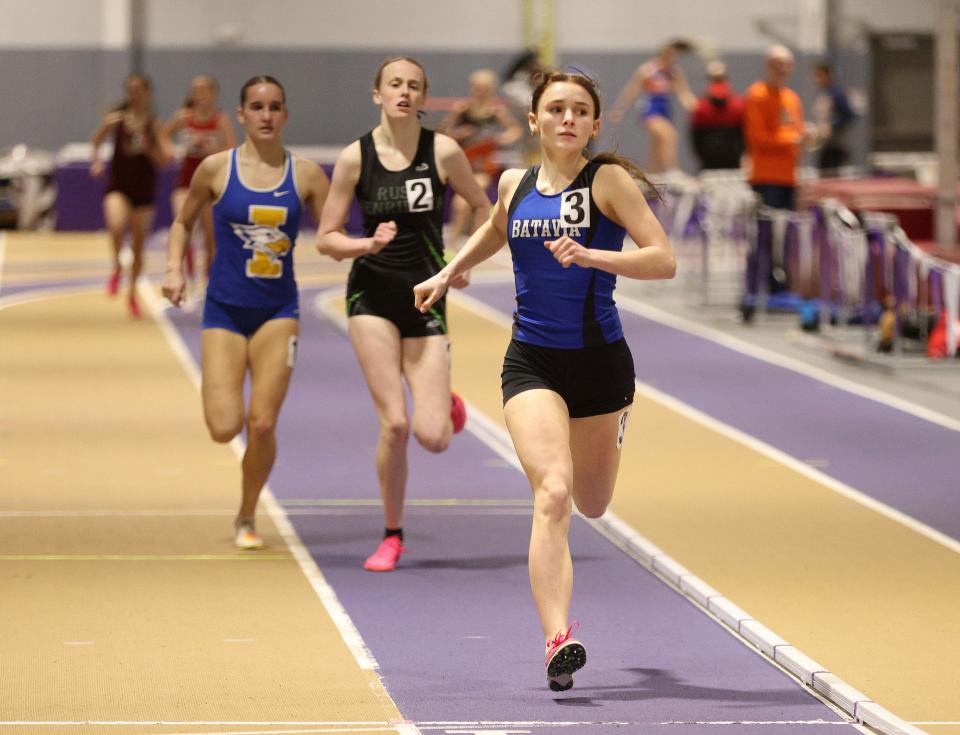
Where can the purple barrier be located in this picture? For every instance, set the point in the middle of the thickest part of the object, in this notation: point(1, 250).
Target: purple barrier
point(79, 199)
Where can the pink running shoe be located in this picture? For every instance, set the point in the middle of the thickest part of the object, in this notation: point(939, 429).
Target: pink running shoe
point(564, 656)
point(134, 307)
point(458, 412)
point(385, 558)
point(113, 283)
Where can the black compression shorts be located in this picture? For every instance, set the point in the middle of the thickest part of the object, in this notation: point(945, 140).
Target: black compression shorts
point(373, 294)
point(592, 381)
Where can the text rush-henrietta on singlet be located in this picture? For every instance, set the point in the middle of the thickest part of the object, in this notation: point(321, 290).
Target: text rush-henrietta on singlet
point(414, 198)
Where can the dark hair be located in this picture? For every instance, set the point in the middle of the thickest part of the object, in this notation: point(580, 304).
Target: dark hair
point(260, 79)
point(392, 59)
point(593, 90)
point(528, 61)
point(135, 76)
point(680, 45)
point(824, 66)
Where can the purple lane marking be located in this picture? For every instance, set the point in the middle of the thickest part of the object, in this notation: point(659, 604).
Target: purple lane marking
point(455, 630)
point(892, 456)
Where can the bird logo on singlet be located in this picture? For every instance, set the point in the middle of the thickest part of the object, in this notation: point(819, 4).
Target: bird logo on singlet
point(269, 244)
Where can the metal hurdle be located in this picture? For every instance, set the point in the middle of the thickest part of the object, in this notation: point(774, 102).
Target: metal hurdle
point(864, 264)
point(708, 220)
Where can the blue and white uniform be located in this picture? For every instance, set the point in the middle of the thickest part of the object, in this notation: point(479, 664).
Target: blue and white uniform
point(659, 86)
point(252, 278)
point(567, 335)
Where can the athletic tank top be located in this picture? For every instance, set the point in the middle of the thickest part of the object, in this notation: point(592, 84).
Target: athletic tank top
point(255, 231)
point(561, 307)
point(200, 139)
point(413, 198)
point(132, 170)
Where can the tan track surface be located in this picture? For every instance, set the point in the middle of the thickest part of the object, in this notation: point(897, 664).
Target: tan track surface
point(123, 598)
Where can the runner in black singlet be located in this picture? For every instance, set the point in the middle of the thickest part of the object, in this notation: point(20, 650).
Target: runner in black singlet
point(399, 173)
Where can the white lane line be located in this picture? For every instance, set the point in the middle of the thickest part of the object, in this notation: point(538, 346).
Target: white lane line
point(42, 294)
point(816, 680)
point(742, 346)
point(425, 502)
point(348, 631)
point(293, 507)
point(109, 513)
point(194, 723)
point(753, 722)
point(426, 724)
point(752, 442)
point(310, 731)
point(653, 313)
point(431, 724)
point(798, 466)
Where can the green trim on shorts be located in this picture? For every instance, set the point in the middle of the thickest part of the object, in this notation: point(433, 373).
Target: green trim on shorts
point(352, 299)
point(437, 255)
point(439, 317)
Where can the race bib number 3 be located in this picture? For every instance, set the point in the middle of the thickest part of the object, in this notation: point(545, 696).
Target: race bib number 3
point(575, 208)
point(419, 195)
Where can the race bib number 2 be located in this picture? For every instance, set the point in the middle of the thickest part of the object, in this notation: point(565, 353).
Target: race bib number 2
point(575, 208)
point(419, 195)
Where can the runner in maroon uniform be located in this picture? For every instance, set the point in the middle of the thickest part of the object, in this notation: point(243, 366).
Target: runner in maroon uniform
point(139, 148)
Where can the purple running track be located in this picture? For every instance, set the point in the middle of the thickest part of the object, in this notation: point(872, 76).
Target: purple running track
point(455, 630)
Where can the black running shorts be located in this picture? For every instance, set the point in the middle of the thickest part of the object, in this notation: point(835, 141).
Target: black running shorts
point(371, 293)
point(592, 381)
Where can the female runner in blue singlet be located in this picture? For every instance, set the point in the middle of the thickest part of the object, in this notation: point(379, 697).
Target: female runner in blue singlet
point(660, 78)
point(568, 377)
point(251, 312)
point(399, 172)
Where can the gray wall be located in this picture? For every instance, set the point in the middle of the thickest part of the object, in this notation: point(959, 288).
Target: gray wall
point(328, 91)
point(64, 60)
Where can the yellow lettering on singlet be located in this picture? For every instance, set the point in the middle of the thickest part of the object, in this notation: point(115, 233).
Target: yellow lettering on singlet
point(266, 239)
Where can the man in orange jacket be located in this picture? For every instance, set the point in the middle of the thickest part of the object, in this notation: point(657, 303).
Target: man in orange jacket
point(774, 131)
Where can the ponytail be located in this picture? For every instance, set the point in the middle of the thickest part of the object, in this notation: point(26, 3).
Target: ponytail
point(631, 167)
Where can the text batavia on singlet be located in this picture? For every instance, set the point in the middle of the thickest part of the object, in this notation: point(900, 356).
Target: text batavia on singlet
point(542, 228)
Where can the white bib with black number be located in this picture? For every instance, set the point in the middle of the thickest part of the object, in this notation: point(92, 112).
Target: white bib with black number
point(575, 208)
point(419, 195)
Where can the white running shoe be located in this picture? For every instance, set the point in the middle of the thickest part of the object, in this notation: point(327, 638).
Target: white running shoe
point(247, 537)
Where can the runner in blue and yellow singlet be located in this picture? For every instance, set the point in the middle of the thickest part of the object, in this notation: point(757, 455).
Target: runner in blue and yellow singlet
point(251, 312)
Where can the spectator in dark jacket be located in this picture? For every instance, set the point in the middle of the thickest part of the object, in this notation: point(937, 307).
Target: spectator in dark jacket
point(716, 122)
point(834, 118)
